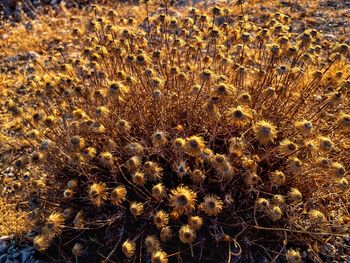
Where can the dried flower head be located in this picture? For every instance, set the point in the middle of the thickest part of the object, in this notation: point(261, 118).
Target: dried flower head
point(265, 132)
point(317, 216)
point(159, 191)
point(187, 234)
point(161, 219)
point(196, 222)
point(136, 208)
point(183, 199)
point(152, 244)
point(118, 195)
point(166, 233)
point(293, 256)
point(159, 257)
point(240, 116)
point(194, 145)
point(129, 248)
point(295, 195)
point(97, 193)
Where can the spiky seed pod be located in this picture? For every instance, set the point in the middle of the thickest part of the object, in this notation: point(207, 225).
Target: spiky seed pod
point(183, 199)
point(263, 204)
point(68, 193)
point(152, 244)
point(244, 98)
point(293, 256)
point(317, 217)
point(153, 171)
point(76, 143)
point(187, 234)
point(194, 145)
point(275, 213)
point(118, 90)
point(97, 193)
point(161, 219)
point(251, 178)
point(239, 116)
point(295, 195)
point(179, 145)
point(344, 121)
point(338, 169)
point(136, 208)
point(221, 164)
point(68, 212)
point(106, 159)
point(236, 147)
point(97, 127)
point(212, 205)
point(159, 191)
point(325, 144)
point(77, 249)
point(181, 168)
point(278, 200)
point(46, 145)
point(323, 162)
point(294, 165)
point(109, 145)
point(134, 148)
point(343, 184)
point(79, 221)
point(287, 147)
point(138, 178)
point(265, 132)
point(197, 176)
point(89, 153)
point(305, 127)
point(102, 112)
point(79, 114)
point(118, 195)
point(72, 184)
point(159, 138)
point(277, 178)
point(129, 248)
point(195, 222)
point(159, 257)
point(166, 233)
point(124, 127)
point(133, 164)
point(55, 223)
point(42, 242)
point(206, 154)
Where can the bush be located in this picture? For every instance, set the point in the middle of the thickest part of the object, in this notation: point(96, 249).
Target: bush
point(171, 134)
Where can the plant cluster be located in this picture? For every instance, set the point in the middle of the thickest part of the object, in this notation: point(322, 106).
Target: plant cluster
point(165, 136)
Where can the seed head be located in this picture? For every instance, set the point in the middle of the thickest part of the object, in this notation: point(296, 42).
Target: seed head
point(129, 248)
point(265, 132)
point(118, 195)
point(187, 234)
point(183, 199)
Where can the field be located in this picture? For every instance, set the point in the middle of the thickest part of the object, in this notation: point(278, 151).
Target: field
point(166, 131)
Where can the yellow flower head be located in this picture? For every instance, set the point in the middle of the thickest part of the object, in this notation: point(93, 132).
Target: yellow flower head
point(183, 199)
point(212, 205)
point(187, 234)
point(161, 219)
point(129, 248)
point(194, 145)
point(239, 116)
point(97, 193)
point(159, 257)
point(265, 132)
point(118, 195)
